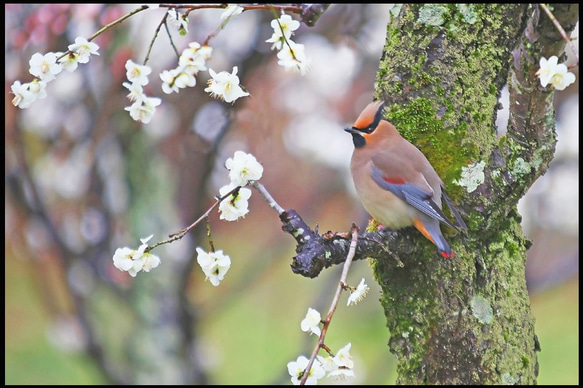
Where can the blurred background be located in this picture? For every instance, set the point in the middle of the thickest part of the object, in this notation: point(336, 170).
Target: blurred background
point(82, 179)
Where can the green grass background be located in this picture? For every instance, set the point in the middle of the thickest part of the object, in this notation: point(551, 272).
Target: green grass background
point(267, 339)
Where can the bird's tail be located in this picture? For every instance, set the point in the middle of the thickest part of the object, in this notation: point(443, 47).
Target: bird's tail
point(430, 229)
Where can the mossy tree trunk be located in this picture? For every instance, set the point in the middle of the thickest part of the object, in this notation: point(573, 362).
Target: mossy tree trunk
point(467, 320)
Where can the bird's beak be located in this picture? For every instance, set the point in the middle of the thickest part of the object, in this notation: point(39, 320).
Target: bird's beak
point(353, 131)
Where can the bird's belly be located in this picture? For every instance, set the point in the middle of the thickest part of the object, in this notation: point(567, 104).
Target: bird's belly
point(391, 211)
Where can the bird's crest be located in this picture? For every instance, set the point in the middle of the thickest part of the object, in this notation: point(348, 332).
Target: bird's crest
point(370, 117)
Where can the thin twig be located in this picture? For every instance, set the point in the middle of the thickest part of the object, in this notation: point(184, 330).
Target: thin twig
point(156, 32)
point(560, 29)
point(208, 234)
point(267, 197)
point(333, 305)
point(178, 235)
point(118, 21)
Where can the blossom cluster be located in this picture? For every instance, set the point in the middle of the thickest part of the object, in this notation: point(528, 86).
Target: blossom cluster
point(223, 85)
point(178, 20)
point(338, 366)
point(46, 67)
point(554, 73)
point(291, 55)
point(243, 168)
point(143, 107)
point(214, 264)
point(191, 61)
point(135, 260)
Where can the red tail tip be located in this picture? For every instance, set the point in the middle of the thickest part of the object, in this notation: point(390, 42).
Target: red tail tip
point(447, 255)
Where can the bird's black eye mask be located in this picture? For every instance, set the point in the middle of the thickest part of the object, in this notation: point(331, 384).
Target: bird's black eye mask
point(372, 126)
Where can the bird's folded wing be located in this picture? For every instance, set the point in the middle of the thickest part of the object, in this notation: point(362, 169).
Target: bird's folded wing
point(418, 198)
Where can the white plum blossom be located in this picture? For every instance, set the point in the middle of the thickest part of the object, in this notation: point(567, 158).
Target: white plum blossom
point(327, 363)
point(83, 48)
point(38, 88)
point(311, 323)
point(168, 84)
point(562, 78)
point(547, 69)
point(123, 258)
point(343, 358)
point(186, 75)
point(136, 91)
point(45, 67)
point(334, 371)
point(225, 85)
point(175, 79)
point(193, 58)
point(135, 260)
point(555, 73)
point(358, 294)
point(341, 373)
point(143, 110)
point(149, 261)
point(214, 265)
point(293, 57)
point(184, 79)
point(22, 97)
point(283, 29)
point(195, 50)
point(234, 206)
point(26, 94)
point(69, 61)
point(297, 368)
point(143, 107)
point(137, 74)
point(231, 11)
point(243, 167)
point(178, 20)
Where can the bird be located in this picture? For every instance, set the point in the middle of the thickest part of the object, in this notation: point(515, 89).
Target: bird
point(395, 182)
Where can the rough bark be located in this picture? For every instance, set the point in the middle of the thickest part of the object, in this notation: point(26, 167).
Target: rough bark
point(467, 320)
point(460, 321)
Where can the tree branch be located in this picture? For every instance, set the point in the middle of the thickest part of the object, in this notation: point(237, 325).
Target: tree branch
point(315, 252)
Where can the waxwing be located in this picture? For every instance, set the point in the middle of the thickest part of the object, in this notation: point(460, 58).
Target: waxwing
point(394, 180)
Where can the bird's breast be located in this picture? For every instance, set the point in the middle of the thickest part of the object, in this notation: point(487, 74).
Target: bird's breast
point(383, 205)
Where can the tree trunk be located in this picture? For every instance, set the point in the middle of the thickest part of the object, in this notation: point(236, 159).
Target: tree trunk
point(467, 320)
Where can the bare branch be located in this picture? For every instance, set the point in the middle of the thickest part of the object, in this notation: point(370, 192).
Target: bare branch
point(561, 30)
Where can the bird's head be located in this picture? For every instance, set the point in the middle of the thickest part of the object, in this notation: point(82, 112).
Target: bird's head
point(366, 123)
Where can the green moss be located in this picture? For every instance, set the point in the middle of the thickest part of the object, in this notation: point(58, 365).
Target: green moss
point(449, 74)
point(453, 128)
point(421, 124)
